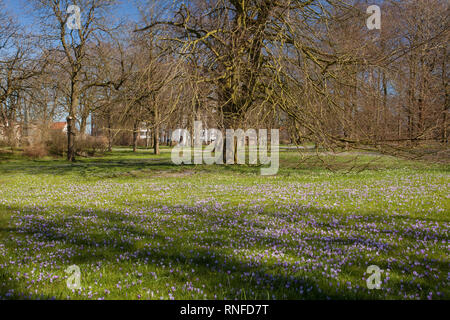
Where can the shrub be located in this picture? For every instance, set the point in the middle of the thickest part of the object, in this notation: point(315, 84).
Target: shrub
point(57, 142)
point(90, 146)
point(36, 151)
point(86, 146)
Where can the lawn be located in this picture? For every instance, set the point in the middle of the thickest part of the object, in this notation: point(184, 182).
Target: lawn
point(139, 227)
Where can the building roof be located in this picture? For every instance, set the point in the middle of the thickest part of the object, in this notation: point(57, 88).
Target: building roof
point(58, 125)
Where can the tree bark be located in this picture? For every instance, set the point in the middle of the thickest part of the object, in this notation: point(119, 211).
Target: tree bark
point(156, 140)
point(70, 140)
point(110, 135)
point(156, 133)
point(74, 102)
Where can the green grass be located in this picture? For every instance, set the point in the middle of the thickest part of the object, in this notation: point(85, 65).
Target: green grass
point(140, 227)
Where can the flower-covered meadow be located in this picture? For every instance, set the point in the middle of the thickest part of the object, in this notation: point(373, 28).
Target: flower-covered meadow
point(145, 230)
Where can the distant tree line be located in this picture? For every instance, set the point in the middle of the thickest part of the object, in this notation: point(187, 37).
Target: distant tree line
point(310, 67)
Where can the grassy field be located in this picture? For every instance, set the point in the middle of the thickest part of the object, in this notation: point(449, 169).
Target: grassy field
point(139, 227)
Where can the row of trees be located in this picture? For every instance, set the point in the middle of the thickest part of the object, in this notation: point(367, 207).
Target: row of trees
point(311, 67)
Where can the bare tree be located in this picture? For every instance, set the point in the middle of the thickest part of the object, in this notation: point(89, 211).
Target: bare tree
point(74, 44)
point(18, 67)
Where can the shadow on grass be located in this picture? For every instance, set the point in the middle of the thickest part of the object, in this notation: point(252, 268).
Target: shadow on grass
point(206, 242)
point(98, 168)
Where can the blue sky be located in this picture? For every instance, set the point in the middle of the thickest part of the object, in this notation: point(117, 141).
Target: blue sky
point(22, 10)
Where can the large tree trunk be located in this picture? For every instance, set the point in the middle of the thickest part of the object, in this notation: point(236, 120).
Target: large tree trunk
point(70, 139)
point(156, 140)
point(74, 102)
point(110, 135)
point(156, 133)
point(151, 139)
